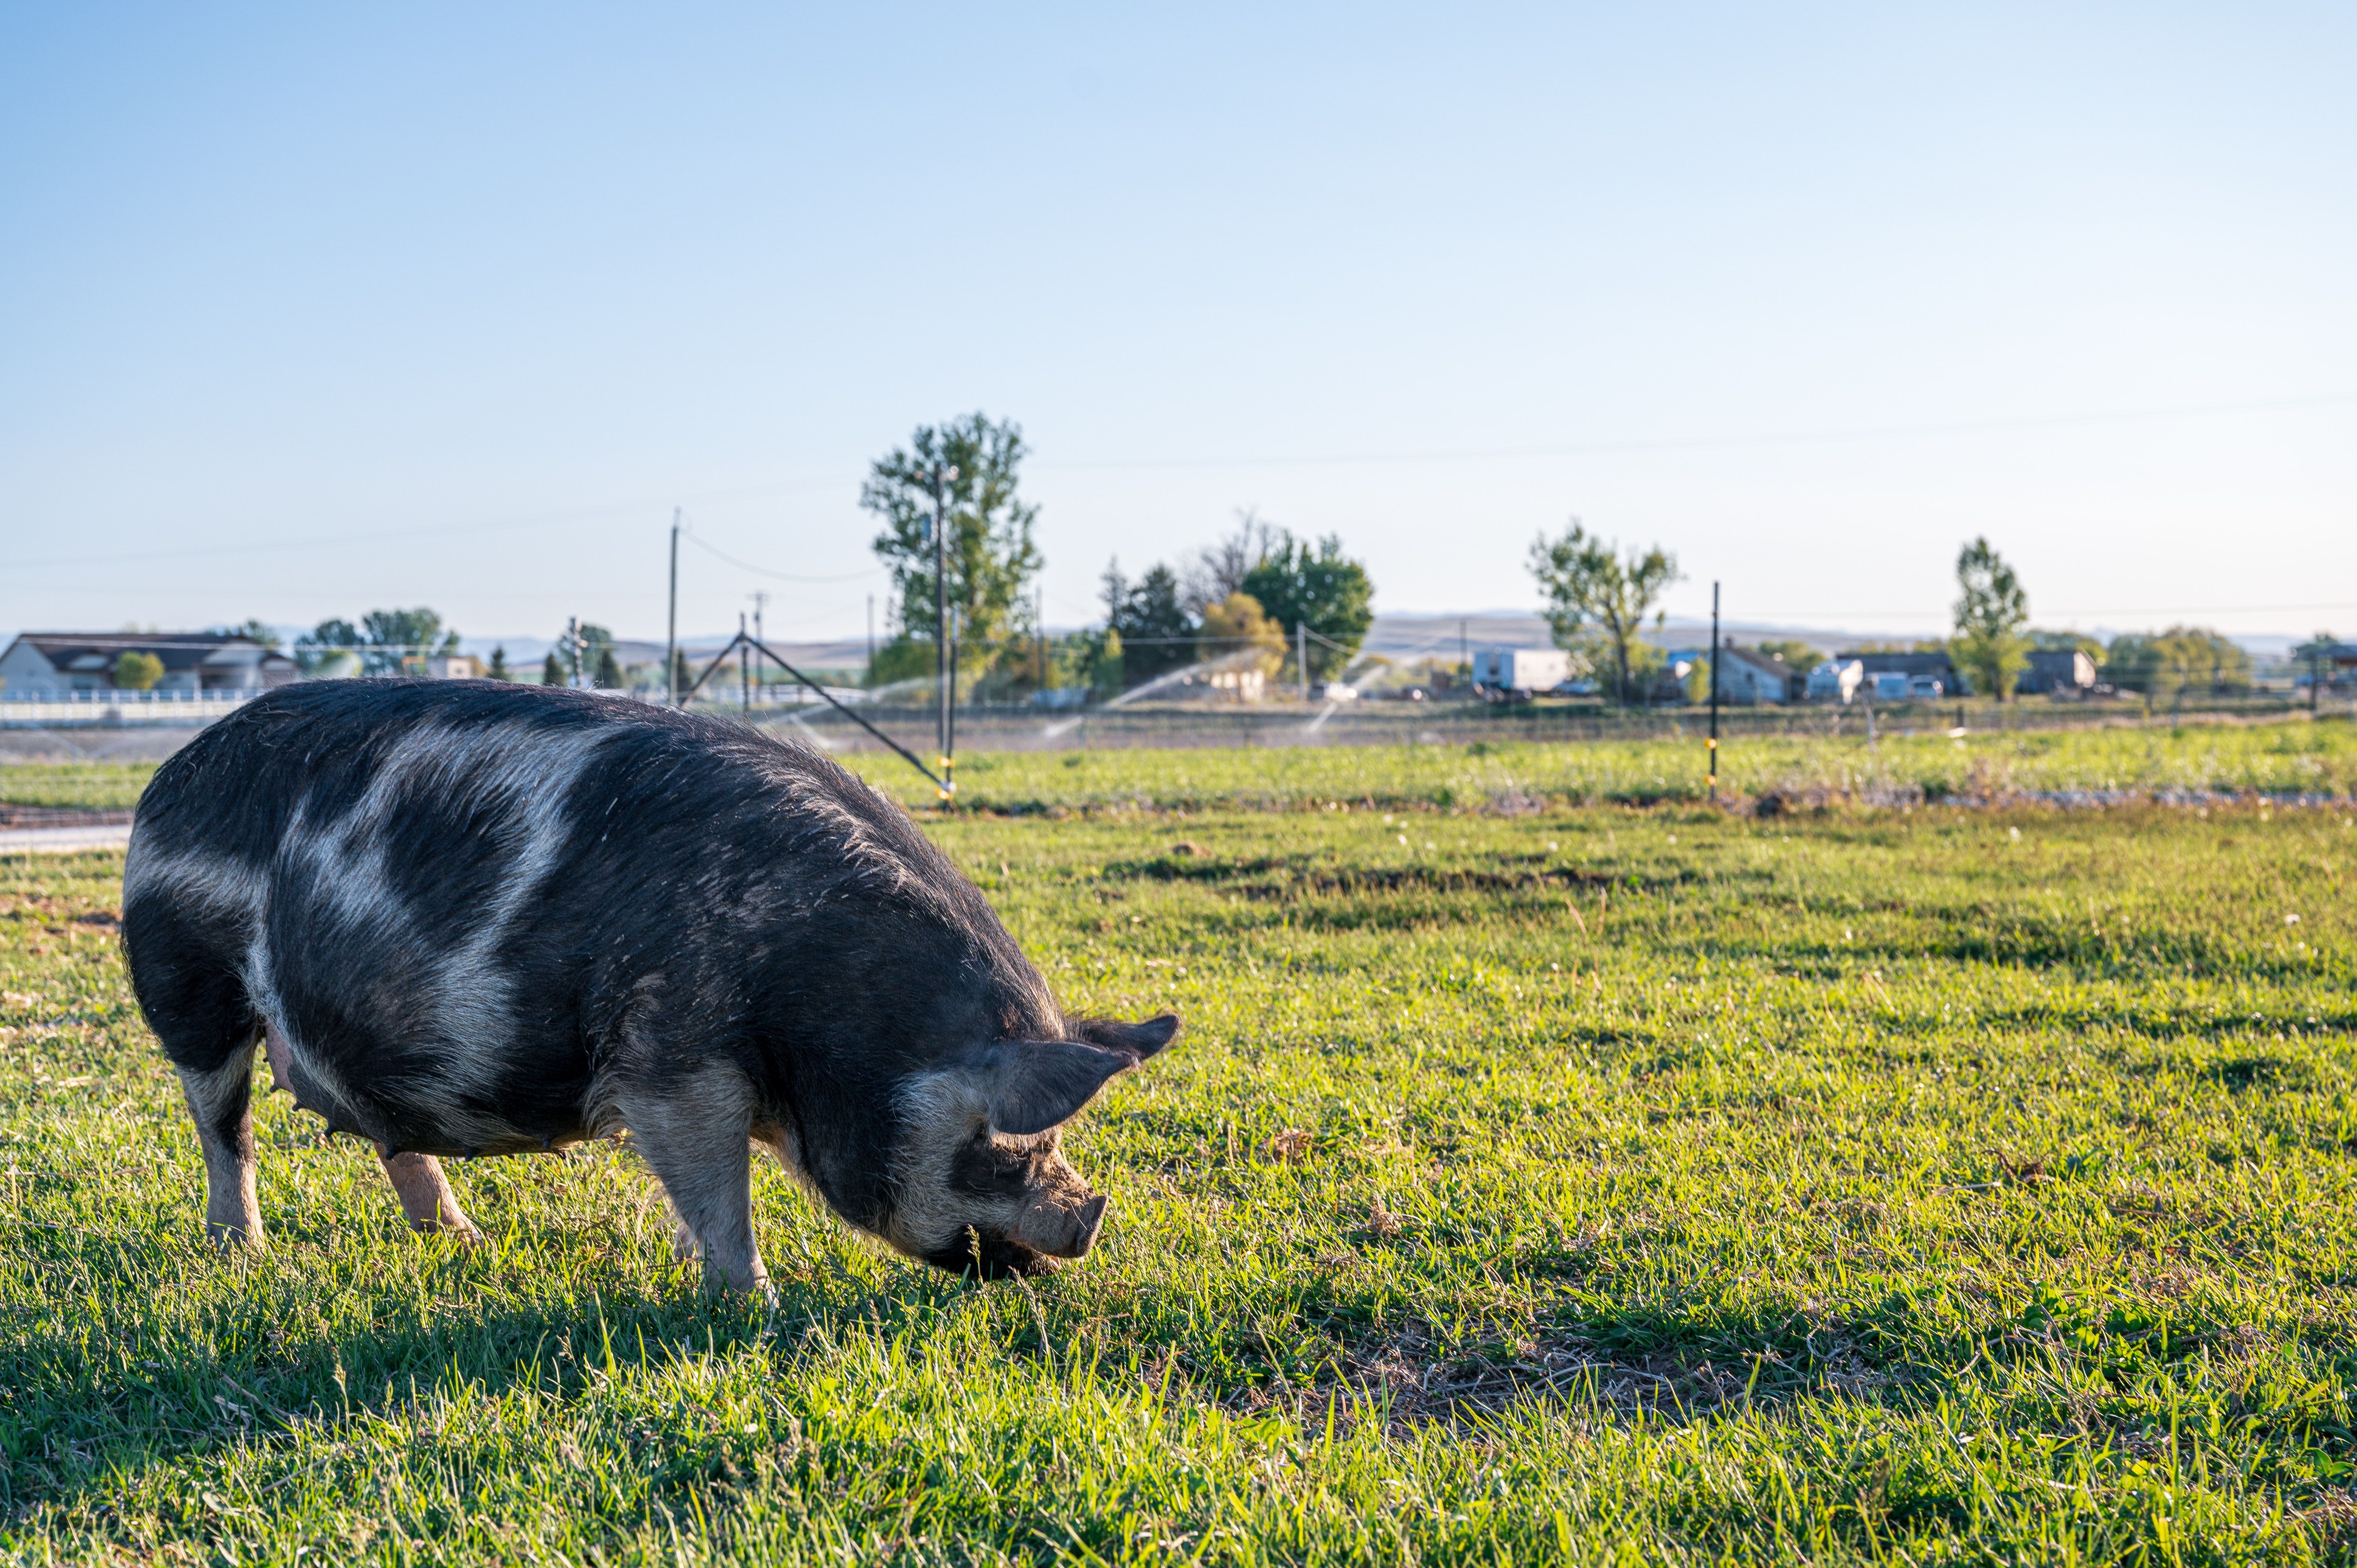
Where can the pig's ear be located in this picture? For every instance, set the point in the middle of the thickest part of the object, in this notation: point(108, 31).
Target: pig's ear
point(1140, 1039)
point(1033, 1085)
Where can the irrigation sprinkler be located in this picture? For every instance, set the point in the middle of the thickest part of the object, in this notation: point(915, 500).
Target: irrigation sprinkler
point(744, 638)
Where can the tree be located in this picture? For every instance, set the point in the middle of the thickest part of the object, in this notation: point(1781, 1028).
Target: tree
point(386, 642)
point(551, 670)
point(2172, 662)
point(1597, 598)
point(499, 670)
point(1322, 589)
point(679, 673)
point(1992, 611)
point(610, 669)
point(252, 630)
point(1156, 634)
point(1799, 655)
point(991, 554)
point(136, 671)
point(1220, 569)
point(1238, 638)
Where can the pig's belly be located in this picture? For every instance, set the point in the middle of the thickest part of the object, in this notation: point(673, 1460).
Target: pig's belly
point(427, 1103)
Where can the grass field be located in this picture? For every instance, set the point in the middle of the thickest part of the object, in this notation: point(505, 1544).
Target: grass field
point(2289, 757)
point(1593, 1185)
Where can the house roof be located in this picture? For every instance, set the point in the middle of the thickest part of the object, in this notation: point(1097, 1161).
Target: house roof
point(1762, 663)
point(175, 650)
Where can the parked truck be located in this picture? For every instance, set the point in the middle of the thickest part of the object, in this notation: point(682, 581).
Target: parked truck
point(1503, 674)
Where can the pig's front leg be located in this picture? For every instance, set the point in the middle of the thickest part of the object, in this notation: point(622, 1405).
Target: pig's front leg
point(696, 1136)
point(426, 1199)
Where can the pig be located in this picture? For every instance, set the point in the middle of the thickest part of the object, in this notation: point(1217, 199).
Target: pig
point(473, 918)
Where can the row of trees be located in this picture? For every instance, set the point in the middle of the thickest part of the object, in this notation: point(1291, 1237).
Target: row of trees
point(1235, 606)
point(1597, 598)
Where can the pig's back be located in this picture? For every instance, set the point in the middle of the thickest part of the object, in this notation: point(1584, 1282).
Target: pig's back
point(444, 893)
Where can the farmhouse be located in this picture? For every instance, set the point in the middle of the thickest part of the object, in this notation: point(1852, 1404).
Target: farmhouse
point(1748, 675)
point(54, 664)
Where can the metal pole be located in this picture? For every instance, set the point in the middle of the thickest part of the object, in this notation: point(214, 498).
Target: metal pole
point(670, 625)
point(1301, 655)
point(944, 656)
point(940, 627)
point(871, 640)
point(1712, 776)
point(761, 597)
point(744, 668)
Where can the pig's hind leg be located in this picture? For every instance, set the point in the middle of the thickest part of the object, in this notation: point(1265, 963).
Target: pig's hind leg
point(697, 1135)
point(193, 999)
point(426, 1200)
point(222, 1104)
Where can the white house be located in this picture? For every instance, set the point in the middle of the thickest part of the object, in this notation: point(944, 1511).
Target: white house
point(54, 664)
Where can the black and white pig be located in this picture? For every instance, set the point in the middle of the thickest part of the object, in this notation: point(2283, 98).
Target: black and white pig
point(476, 919)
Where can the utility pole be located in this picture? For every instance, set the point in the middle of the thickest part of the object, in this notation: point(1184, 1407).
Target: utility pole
point(1711, 776)
point(1040, 639)
point(670, 625)
point(871, 640)
point(1301, 655)
point(761, 597)
point(573, 646)
point(944, 671)
point(744, 668)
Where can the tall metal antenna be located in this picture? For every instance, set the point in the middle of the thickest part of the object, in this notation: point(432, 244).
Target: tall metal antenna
point(670, 626)
point(944, 671)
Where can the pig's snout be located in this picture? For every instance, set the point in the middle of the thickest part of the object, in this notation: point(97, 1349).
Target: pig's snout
point(1058, 1229)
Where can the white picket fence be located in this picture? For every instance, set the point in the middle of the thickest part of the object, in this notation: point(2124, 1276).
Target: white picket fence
point(74, 710)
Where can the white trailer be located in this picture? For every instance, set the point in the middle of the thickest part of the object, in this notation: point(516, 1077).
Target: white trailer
point(1517, 673)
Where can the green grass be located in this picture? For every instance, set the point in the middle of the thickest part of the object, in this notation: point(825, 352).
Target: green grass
point(2293, 758)
point(107, 786)
point(1599, 1185)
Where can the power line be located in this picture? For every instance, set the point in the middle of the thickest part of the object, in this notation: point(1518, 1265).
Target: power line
point(1769, 438)
point(765, 572)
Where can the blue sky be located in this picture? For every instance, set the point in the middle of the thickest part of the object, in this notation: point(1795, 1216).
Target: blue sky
point(306, 310)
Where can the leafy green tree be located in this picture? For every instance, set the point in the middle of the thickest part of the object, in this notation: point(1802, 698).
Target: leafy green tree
point(136, 671)
point(610, 669)
point(2170, 663)
point(680, 672)
point(1597, 598)
point(1237, 637)
point(386, 640)
point(1156, 634)
point(1799, 655)
point(1992, 611)
point(498, 669)
point(252, 630)
point(1320, 588)
point(991, 555)
point(551, 670)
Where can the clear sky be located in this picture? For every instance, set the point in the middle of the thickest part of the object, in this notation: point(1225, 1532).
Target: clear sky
point(307, 309)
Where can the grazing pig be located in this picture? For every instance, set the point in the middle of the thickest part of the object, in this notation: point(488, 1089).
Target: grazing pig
point(478, 919)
